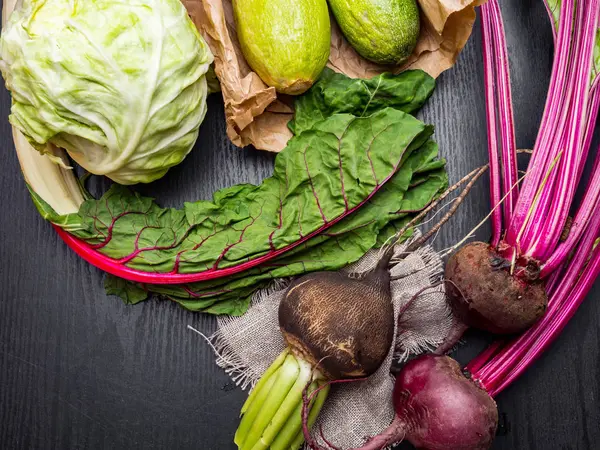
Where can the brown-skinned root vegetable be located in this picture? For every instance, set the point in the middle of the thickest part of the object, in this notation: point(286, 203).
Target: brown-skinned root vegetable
point(485, 293)
point(337, 327)
point(437, 407)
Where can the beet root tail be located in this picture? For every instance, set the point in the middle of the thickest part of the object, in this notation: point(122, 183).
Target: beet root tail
point(452, 338)
point(393, 434)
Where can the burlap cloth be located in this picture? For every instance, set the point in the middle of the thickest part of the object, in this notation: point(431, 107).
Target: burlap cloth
point(247, 345)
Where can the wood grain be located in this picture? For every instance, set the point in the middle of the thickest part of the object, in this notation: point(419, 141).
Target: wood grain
point(80, 370)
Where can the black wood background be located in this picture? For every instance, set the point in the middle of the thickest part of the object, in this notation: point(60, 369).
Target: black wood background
point(80, 370)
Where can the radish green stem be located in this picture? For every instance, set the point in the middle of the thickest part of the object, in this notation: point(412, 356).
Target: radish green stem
point(259, 415)
point(293, 426)
point(307, 411)
point(271, 416)
point(291, 401)
point(254, 409)
point(263, 380)
point(319, 400)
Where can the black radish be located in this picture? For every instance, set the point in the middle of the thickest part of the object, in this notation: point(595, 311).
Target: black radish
point(337, 326)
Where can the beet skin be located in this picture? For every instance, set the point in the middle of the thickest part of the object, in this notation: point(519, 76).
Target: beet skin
point(442, 408)
point(485, 295)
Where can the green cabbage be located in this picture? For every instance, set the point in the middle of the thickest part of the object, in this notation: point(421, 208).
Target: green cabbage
point(121, 85)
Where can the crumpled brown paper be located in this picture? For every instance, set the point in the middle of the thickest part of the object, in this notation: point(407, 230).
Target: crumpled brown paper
point(257, 115)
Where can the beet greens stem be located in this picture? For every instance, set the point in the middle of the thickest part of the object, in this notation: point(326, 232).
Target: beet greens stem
point(492, 123)
point(307, 410)
point(580, 222)
point(505, 109)
point(552, 121)
point(547, 236)
point(593, 109)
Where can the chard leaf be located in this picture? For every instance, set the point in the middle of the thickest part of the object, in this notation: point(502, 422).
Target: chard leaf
point(323, 175)
point(343, 244)
point(335, 93)
point(130, 293)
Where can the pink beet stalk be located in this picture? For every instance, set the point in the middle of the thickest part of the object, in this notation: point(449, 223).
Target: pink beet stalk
point(490, 75)
point(551, 122)
point(548, 235)
point(546, 197)
point(534, 223)
point(509, 145)
point(585, 212)
point(500, 121)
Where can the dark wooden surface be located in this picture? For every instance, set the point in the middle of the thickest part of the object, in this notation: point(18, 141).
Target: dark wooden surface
point(80, 370)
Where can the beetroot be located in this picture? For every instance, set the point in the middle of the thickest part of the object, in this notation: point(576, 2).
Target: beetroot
point(438, 408)
point(485, 294)
point(444, 408)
